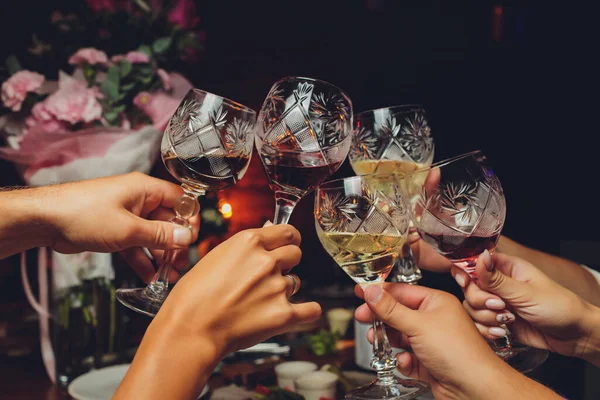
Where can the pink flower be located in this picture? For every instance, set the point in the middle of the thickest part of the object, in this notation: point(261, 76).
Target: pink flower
point(74, 102)
point(165, 78)
point(142, 99)
point(117, 57)
point(101, 5)
point(15, 88)
point(184, 14)
point(42, 120)
point(89, 56)
point(136, 57)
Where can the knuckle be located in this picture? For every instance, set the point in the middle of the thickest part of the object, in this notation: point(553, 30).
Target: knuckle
point(250, 237)
point(288, 233)
point(280, 285)
point(268, 263)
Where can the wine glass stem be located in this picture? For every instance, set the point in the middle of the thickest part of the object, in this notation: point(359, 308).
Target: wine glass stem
point(284, 206)
point(186, 207)
point(383, 361)
point(502, 346)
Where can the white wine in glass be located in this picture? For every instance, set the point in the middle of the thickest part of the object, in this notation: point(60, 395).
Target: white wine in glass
point(362, 222)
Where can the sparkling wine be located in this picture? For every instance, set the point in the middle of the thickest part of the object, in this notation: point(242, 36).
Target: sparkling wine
point(200, 172)
point(365, 257)
point(297, 173)
point(462, 250)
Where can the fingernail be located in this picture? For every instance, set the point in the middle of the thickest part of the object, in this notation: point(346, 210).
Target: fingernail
point(505, 318)
point(487, 260)
point(497, 332)
point(182, 236)
point(459, 279)
point(495, 304)
point(374, 293)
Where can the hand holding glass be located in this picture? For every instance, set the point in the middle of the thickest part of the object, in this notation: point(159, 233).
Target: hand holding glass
point(207, 145)
point(362, 222)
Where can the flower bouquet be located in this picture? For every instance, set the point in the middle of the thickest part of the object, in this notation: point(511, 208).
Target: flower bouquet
point(98, 114)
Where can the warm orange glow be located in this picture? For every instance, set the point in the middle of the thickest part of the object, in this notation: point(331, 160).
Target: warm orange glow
point(226, 210)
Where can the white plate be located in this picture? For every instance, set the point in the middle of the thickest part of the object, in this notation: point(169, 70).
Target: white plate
point(101, 384)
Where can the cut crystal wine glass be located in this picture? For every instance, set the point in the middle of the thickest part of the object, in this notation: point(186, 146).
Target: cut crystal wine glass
point(363, 222)
point(206, 146)
point(393, 140)
point(303, 136)
point(458, 208)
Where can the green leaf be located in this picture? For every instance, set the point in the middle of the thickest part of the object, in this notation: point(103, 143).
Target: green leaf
point(125, 69)
point(127, 87)
point(119, 109)
point(161, 45)
point(145, 49)
point(110, 85)
point(12, 64)
point(111, 116)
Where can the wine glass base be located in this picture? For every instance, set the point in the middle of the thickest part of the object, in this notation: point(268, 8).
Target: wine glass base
point(138, 301)
point(523, 358)
point(397, 389)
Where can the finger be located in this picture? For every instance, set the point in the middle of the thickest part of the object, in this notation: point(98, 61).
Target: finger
point(276, 236)
point(306, 312)
point(286, 257)
point(481, 300)
point(427, 258)
point(293, 283)
point(392, 311)
point(181, 262)
point(359, 292)
point(488, 317)
point(490, 332)
point(158, 193)
point(363, 314)
point(411, 296)
point(166, 214)
point(195, 224)
point(143, 267)
point(396, 339)
point(410, 366)
point(460, 276)
point(498, 280)
point(155, 235)
point(139, 263)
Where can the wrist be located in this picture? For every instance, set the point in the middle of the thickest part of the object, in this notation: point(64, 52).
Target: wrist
point(24, 224)
point(588, 346)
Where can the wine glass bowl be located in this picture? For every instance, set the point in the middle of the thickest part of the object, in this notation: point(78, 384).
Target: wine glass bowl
point(458, 208)
point(208, 142)
point(393, 140)
point(362, 222)
point(207, 145)
point(303, 136)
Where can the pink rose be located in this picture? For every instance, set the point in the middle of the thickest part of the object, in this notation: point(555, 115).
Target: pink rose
point(136, 57)
point(101, 5)
point(117, 57)
point(89, 56)
point(42, 120)
point(15, 88)
point(73, 102)
point(184, 14)
point(164, 78)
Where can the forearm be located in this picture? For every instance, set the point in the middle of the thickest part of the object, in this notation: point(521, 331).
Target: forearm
point(22, 222)
point(503, 382)
point(171, 363)
point(567, 273)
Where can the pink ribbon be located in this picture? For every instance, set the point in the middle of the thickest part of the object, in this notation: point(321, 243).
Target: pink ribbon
point(41, 308)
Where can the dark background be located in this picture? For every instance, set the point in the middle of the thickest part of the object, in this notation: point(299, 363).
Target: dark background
point(513, 78)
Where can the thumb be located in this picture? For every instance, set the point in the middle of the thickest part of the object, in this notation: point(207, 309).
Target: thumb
point(158, 235)
point(493, 280)
point(390, 311)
